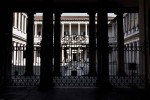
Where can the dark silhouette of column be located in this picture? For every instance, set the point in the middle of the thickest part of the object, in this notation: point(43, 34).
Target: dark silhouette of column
point(120, 41)
point(46, 80)
point(102, 46)
point(57, 45)
point(144, 39)
point(92, 45)
point(29, 47)
point(6, 46)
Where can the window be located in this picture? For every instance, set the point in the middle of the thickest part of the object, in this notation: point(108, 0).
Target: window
point(136, 19)
point(21, 21)
point(13, 19)
point(115, 29)
point(66, 33)
point(82, 33)
point(126, 24)
point(17, 20)
point(74, 33)
point(132, 20)
point(128, 16)
point(39, 33)
point(24, 54)
point(38, 51)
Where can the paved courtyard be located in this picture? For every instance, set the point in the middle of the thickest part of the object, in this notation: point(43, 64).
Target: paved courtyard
point(32, 93)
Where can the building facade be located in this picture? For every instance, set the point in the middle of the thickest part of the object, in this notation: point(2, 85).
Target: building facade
point(131, 43)
point(74, 43)
point(73, 54)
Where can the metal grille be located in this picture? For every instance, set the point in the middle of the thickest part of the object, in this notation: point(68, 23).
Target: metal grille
point(18, 68)
point(75, 70)
point(75, 60)
point(135, 76)
point(75, 81)
point(21, 80)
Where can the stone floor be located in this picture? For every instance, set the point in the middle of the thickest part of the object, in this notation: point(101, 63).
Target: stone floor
point(32, 93)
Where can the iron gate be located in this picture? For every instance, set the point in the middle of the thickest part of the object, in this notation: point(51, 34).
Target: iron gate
point(75, 65)
point(75, 62)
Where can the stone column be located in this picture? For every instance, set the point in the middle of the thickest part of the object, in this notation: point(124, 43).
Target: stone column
point(25, 25)
point(19, 17)
point(24, 55)
point(69, 28)
point(57, 44)
point(21, 53)
point(103, 50)
point(133, 52)
point(92, 45)
point(22, 23)
point(62, 55)
point(6, 45)
point(29, 47)
point(120, 40)
point(62, 33)
point(15, 21)
point(129, 54)
point(69, 54)
point(139, 71)
point(41, 30)
point(78, 29)
point(144, 39)
point(113, 31)
point(17, 53)
point(35, 30)
point(85, 54)
point(126, 51)
point(46, 80)
point(86, 29)
point(138, 51)
point(79, 54)
point(14, 56)
point(35, 56)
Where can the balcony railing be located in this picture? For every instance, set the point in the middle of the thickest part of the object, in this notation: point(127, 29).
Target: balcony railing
point(75, 39)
